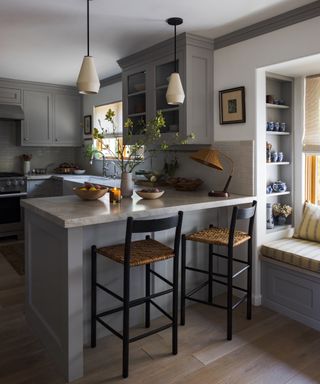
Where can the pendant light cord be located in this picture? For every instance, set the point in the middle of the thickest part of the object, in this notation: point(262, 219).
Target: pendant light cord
point(175, 49)
point(88, 28)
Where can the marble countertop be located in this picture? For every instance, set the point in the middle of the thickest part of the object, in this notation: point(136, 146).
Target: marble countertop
point(71, 212)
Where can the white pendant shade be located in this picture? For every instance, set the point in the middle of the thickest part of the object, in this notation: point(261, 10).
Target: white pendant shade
point(88, 81)
point(175, 93)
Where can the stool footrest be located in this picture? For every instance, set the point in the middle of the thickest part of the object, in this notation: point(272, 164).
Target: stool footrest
point(244, 298)
point(196, 289)
point(149, 333)
point(116, 333)
point(241, 270)
point(109, 291)
point(226, 257)
point(161, 277)
point(206, 302)
point(161, 310)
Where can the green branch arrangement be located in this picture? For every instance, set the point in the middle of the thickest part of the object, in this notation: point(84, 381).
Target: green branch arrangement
point(129, 156)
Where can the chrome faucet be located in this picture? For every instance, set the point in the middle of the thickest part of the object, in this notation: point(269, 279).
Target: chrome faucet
point(105, 165)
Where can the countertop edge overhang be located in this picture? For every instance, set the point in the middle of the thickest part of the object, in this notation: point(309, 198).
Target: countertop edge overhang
point(71, 212)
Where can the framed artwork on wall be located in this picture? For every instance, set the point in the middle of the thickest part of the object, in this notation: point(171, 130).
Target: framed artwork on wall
point(87, 128)
point(232, 107)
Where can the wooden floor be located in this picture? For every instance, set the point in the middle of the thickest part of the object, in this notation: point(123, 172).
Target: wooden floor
point(269, 349)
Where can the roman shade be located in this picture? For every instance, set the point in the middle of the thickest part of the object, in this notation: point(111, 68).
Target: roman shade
point(311, 141)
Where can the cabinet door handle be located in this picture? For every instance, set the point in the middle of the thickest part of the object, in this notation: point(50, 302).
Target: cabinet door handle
point(26, 138)
point(56, 139)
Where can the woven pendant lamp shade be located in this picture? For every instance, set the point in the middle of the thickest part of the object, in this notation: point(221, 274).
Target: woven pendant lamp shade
point(209, 157)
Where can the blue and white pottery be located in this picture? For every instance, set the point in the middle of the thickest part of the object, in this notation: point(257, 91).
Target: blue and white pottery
point(274, 157)
point(276, 126)
point(279, 186)
point(283, 127)
point(271, 125)
point(269, 189)
point(280, 156)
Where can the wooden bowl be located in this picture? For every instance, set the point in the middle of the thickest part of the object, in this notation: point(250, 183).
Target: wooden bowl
point(90, 195)
point(150, 195)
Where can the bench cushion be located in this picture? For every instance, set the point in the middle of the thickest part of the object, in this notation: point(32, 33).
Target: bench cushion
point(309, 228)
point(300, 253)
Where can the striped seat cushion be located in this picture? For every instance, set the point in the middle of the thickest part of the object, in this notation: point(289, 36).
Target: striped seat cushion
point(309, 228)
point(300, 253)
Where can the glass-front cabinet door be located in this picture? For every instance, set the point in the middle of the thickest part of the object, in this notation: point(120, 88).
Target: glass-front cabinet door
point(137, 100)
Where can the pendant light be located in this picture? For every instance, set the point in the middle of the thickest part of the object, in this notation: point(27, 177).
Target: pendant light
point(175, 94)
point(88, 82)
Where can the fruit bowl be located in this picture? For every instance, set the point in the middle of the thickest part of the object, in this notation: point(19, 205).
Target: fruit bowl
point(90, 193)
point(150, 194)
point(79, 171)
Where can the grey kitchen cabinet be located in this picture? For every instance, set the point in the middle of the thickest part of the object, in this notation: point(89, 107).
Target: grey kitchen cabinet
point(145, 77)
point(66, 120)
point(51, 119)
point(37, 125)
point(10, 95)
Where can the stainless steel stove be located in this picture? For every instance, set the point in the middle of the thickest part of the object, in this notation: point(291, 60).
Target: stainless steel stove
point(13, 188)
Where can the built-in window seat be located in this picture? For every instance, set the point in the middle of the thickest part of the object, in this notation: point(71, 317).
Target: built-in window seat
point(291, 279)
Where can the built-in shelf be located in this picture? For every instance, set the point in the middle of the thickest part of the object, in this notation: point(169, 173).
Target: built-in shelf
point(279, 163)
point(169, 109)
point(136, 93)
point(278, 228)
point(278, 193)
point(277, 133)
point(277, 106)
point(137, 114)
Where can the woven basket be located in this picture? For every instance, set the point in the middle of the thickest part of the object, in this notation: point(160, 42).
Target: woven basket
point(184, 184)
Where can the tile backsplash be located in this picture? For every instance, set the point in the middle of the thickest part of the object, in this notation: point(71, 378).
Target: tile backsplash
point(10, 152)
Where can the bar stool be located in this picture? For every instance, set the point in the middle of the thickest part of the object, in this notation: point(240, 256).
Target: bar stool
point(132, 254)
point(229, 238)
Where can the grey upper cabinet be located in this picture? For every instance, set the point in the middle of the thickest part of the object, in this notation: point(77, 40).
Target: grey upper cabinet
point(37, 125)
point(145, 77)
point(66, 120)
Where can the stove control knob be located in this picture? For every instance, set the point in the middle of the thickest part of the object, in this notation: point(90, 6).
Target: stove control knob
point(8, 183)
point(15, 182)
point(22, 182)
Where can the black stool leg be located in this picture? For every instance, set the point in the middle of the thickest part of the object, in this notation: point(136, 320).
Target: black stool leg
point(229, 294)
point(175, 304)
point(210, 270)
point(93, 296)
point(125, 341)
point(183, 280)
point(147, 313)
point(249, 281)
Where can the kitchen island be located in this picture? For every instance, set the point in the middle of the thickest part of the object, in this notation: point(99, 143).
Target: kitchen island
point(59, 232)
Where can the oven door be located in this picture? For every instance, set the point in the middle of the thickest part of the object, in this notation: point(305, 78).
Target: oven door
point(10, 211)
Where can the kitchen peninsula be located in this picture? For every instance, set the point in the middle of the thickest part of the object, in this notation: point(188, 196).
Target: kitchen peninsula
point(59, 234)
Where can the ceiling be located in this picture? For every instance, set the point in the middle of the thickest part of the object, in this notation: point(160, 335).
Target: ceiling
point(304, 66)
point(45, 40)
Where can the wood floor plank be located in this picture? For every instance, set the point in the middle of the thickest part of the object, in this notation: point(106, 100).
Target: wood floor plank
point(269, 349)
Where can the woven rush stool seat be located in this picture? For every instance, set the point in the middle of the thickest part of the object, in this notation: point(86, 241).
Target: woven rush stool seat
point(218, 236)
point(142, 252)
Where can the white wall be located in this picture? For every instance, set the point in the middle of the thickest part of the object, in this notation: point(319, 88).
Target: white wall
point(242, 64)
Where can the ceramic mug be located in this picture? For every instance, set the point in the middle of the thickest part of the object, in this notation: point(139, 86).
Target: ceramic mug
point(276, 126)
point(271, 125)
point(282, 127)
point(280, 156)
point(274, 157)
point(269, 189)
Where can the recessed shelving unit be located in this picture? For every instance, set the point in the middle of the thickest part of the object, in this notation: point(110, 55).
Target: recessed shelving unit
point(280, 87)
